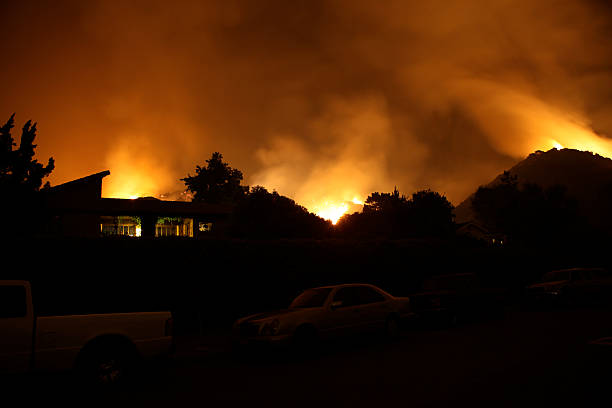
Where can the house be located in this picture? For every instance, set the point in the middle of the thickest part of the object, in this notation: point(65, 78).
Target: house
point(77, 208)
point(477, 231)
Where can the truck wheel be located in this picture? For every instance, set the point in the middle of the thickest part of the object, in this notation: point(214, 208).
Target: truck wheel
point(106, 365)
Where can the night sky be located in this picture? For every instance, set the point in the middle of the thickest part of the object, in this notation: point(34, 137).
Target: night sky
point(323, 101)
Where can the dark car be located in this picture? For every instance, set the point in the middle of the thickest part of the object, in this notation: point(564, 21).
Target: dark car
point(575, 286)
point(324, 313)
point(454, 298)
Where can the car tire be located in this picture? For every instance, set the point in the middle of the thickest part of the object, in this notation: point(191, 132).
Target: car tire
point(392, 327)
point(106, 365)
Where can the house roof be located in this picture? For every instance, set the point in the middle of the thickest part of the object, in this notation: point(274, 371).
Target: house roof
point(466, 226)
point(97, 177)
point(83, 196)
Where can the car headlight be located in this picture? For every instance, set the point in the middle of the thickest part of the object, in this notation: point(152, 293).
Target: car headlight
point(270, 328)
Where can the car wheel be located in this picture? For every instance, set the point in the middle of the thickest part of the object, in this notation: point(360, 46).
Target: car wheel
point(106, 365)
point(392, 327)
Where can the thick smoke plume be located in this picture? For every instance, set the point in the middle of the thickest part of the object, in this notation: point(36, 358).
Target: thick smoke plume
point(322, 101)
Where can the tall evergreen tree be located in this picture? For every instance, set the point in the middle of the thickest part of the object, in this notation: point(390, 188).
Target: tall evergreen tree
point(20, 173)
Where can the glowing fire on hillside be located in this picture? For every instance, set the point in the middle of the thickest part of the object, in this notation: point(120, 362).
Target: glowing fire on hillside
point(325, 198)
point(331, 211)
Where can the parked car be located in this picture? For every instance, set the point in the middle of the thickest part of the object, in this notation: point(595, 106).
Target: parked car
point(575, 286)
point(102, 348)
point(453, 298)
point(324, 313)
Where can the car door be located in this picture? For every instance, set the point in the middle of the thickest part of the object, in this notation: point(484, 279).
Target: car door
point(374, 308)
point(345, 312)
point(16, 326)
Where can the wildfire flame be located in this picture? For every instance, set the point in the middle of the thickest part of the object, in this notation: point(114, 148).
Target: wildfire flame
point(331, 211)
point(557, 145)
point(134, 174)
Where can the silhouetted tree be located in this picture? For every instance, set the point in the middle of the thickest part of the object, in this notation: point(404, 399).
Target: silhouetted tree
point(216, 183)
point(384, 202)
point(21, 174)
point(21, 177)
point(496, 207)
point(264, 215)
point(392, 215)
point(430, 214)
point(528, 212)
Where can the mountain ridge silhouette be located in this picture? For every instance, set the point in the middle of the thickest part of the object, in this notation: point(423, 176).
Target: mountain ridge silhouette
point(587, 177)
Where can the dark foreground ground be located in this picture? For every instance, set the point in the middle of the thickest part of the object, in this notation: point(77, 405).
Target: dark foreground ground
point(529, 358)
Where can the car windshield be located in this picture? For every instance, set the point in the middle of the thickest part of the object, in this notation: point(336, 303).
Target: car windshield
point(556, 276)
point(311, 298)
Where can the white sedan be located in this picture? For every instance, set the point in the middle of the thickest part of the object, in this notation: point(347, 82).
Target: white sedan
point(327, 312)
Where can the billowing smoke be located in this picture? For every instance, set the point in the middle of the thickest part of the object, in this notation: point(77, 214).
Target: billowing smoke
point(323, 101)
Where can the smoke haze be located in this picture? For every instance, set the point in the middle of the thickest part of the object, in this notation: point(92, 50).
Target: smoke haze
point(323, 101)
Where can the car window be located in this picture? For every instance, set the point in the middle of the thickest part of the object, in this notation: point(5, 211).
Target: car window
point(346, 296)
point(368, 295)
point(357, 295)
point(311, 298)
point(12, 301)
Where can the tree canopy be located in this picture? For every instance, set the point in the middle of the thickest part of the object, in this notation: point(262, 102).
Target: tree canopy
point(425, 214)
point(264, 215)
point(217, 183)
point(527, 212)
point(20, 173)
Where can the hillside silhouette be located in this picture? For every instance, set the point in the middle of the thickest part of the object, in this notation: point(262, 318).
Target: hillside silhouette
point(587, 178)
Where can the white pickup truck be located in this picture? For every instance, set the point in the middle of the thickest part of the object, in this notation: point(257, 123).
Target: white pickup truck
point(103, 348)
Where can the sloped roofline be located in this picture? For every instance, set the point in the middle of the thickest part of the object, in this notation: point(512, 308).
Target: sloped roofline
point(85, 179)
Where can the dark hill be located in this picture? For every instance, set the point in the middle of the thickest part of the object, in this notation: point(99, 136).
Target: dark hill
point(587, 177)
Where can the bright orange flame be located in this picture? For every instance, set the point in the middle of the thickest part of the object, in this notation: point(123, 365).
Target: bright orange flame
point(331, 211)
point(557, 145)
point(134, 174)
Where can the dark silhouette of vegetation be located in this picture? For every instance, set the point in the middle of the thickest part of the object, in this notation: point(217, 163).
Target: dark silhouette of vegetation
point(21, 178)
point(217, 183)
point(264, 215)
point(425, 214)
point(21, 174)
point(528, 212)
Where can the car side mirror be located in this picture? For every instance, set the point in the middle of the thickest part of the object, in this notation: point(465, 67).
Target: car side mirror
point(335, 304)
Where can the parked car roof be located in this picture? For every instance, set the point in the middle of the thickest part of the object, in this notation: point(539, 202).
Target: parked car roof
point(341, 285)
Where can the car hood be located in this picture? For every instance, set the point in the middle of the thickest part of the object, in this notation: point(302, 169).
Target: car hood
point(268, 315)
point(552, 284)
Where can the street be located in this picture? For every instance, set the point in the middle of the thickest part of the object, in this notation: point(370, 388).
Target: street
point(528, 358)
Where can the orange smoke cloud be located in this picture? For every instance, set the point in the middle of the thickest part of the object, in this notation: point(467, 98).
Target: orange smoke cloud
point(136, 171)
point(345, 161)
point(323, 101)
